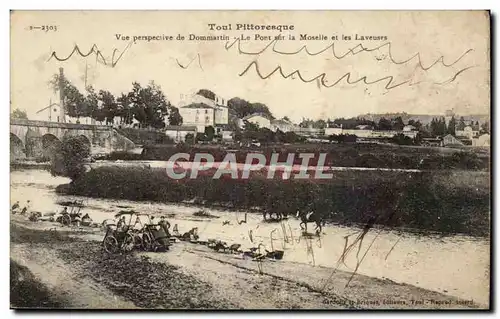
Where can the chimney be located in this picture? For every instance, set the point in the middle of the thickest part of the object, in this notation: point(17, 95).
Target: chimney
point(62, 117)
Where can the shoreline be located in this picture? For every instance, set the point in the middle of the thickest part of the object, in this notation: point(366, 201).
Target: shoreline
point(208, 279)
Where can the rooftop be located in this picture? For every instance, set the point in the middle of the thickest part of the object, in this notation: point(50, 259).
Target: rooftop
point(198, 106)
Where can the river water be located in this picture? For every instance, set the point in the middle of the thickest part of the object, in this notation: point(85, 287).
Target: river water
point(456, 265)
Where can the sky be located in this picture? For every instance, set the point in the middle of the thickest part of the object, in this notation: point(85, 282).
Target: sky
point(184, 67)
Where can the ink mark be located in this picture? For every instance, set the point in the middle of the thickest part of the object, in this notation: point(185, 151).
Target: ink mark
point(392, 248)
point(93, 50)
point(185, 67)
point(360, 48)
point(323, 81)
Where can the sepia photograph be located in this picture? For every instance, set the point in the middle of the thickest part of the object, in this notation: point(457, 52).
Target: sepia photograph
point(250, 160)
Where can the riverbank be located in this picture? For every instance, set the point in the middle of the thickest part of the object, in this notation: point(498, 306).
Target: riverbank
point(193, 277)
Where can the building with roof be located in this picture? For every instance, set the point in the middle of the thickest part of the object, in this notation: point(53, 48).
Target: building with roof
point(481, 141)
point(178, 132)
point(197, 110)
point(469, 132)
point(450, 140)
point(260, 119)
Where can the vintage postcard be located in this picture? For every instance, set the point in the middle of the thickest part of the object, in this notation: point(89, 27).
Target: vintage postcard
point(250, 160)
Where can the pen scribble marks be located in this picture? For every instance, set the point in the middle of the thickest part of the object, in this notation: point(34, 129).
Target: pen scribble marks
point(186, 66)
point(321, 78)
point(352, 51)
point(97, 52)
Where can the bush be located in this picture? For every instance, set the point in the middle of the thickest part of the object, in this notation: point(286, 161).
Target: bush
point(69, 157)
point(446, 202)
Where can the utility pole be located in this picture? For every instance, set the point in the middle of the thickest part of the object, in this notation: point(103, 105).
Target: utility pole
point(62, 117)
point(85, 80)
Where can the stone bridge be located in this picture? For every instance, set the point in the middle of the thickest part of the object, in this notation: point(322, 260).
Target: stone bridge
point(36, 138)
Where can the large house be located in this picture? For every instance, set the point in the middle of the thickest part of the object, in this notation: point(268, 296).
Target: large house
point(197, 110)
point(468, 131)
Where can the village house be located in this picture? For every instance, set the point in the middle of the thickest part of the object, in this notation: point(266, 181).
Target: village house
point(469, 132)
point(409, 128)
point(260, 119)
point(366, 131)
point(450, 140)
point(481, 141)
point(197, 110)
point(178, 132)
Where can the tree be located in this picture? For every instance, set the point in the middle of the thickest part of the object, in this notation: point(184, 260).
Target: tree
point(74, 101)
point(125, 110)
point(438, 127)
point(242, 108)
point(286, 118)
point(69, 157)
point(384, 124)
point(19, 114)
point(207, 93)
point(92, 102)
point(306, 123)
point(174, 118)
point(398, 124)
point(461, 124)
point(189, 138)
point(109, 106)
point(402, 139)
point(451, 126)
point(149, 104)
point(321, 124)
point(209, 133)
point(485, 127)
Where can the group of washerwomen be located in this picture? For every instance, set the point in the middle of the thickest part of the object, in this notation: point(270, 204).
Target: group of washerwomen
point(35, 216)
point(15, 208)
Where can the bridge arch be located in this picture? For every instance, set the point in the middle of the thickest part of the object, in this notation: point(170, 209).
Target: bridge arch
point(50, 142)
point(49, 139)
point(33, 140)
point(16, 147)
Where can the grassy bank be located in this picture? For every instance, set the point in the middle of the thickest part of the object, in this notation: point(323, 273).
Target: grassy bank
point(449, 202)
point(345, 155)
point(146, 283)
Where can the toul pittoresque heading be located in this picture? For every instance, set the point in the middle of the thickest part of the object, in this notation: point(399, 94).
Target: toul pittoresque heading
point(250, 27)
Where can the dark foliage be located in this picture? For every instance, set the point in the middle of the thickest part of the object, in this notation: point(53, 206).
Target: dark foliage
point(69, 157)
point(455, 202)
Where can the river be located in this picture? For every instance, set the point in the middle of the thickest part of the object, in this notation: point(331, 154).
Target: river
point(454, 265)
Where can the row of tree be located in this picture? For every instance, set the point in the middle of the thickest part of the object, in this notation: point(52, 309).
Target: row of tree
point(439, 127)
point(146, 104)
